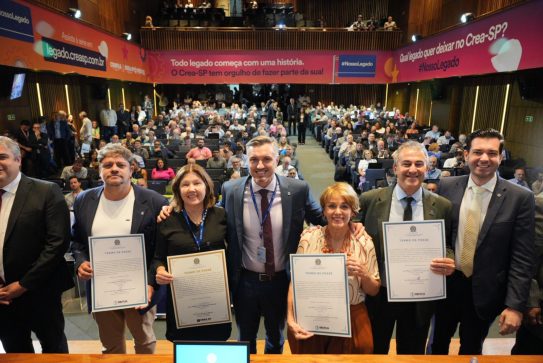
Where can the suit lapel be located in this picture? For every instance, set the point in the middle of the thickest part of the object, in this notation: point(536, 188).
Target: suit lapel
point(239, 191)
point(286, 206)
point(140, 207)
point(92, 207)
point(23, 191)
point(382, 207)
point(494, 206)
point(428, 205)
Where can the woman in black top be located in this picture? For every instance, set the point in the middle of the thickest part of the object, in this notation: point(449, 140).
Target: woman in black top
point(180, 234)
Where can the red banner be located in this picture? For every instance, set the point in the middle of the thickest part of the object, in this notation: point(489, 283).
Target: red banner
point(223, 67)
point(35, 38)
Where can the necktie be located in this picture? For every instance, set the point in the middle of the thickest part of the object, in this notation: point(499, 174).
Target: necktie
point(408, 211)
point(267, 233)
point(471, 231)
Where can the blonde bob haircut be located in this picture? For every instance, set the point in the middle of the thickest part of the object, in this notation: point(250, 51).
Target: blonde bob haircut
point(209, 199)
point(342, 190)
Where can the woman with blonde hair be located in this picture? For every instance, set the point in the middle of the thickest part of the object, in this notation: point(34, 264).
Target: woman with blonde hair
point(339, 203)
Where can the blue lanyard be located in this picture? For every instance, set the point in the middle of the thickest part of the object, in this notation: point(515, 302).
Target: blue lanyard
point(200, 239)
point(267, 213)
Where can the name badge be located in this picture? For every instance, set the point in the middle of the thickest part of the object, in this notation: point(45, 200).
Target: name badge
point(261, 254)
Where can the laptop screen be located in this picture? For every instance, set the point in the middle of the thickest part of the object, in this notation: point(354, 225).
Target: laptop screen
point(211, 352)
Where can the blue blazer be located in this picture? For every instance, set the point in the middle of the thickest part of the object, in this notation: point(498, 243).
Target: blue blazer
point(147, 206)
point(297, 203)
point(504, 258)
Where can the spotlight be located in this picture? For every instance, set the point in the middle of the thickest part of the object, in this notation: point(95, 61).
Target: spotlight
point(127, 36)
point(416, 37)
point(280, 26)
point(75, 13)
point(467, 17)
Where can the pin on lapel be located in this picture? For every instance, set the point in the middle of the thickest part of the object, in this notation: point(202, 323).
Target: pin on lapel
point(499, 195)
point(288, 193)
point(142, 212)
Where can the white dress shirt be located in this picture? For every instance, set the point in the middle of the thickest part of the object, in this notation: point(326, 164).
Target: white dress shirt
point(398, 205)
point(251, 228)
point(488, 189)
point(7, 204)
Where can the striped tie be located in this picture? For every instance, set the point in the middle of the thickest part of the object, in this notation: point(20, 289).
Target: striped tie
point(471, 231)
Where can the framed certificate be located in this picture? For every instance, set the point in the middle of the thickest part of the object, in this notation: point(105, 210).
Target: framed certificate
point(200, 292)
point(321, 293)
point(409, 248)
point(119, 272)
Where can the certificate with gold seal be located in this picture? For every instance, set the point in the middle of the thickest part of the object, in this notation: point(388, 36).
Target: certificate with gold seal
point(199, 289)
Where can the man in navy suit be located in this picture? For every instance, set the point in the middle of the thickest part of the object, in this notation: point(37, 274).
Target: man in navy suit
point(257, 253)
point(59, 131)
point(117, 208)
point(493, 239)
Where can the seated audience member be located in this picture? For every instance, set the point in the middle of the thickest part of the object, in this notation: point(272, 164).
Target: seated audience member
point(240, 154)
point(194, 210)
point(292, 173)
point(433, 172)
point(390, 24)
point(159, 151)
point(433, 150)
point(75, 189)
point(129, 140)
point(339, 203)
point(520, 178)
point(537, 186)
point(149, 22)
point(138, 149)
point(412, 130)
point(236, 168)
point(138, 173)
point(382, 152)
point(434, 133)
point(235, 175)
point(359, 24)
point(161, 171)
point(77, 169)
point(187, 134)
point(455, 162)
point(445, 174)
point(200, 152)
point(363, 165)
point(141, 183)
point(433, 187)
point(284, 167)
point(216, 161)
point(445, 139)
point(189, 4)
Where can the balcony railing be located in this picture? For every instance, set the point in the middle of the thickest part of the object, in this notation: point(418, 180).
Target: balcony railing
point(246, 38)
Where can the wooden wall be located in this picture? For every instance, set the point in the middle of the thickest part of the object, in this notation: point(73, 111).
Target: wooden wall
point(455, 110)
point(83, 92)
point(268, 39)
point(341, 13)
point(427, 17)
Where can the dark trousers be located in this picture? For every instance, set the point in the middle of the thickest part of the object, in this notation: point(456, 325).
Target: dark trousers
point(301, 133)
point(411, 332)
point(457, 309)
point(107, 132)
point(40, 313)
point(529, 341)
point(61, 153)
point(291, 126)
point(253, 299)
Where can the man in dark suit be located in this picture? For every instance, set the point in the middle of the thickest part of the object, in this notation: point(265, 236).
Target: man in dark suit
point(34, 235)
point(407, 200)
point(493, 239)
point(117, 208)
point(292, 114)
point(59, 131)
point(258, 252)
point(530, 335)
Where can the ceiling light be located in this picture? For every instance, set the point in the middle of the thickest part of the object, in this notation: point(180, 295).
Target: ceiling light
point(127, 36)
point(75, 13)
point(467, 17)
point(416, 37)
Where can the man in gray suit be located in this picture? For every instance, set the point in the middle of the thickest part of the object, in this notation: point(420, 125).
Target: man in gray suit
point(493, 236)
point(266, 213)
point(405, 201)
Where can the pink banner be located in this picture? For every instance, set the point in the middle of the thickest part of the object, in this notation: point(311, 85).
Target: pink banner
point(504, 42)
point(223, 67)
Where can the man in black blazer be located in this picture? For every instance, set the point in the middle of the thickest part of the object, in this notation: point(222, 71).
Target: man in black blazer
point(495, 258)
point(412, 319)
point(34, 235)
point(100, 212)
